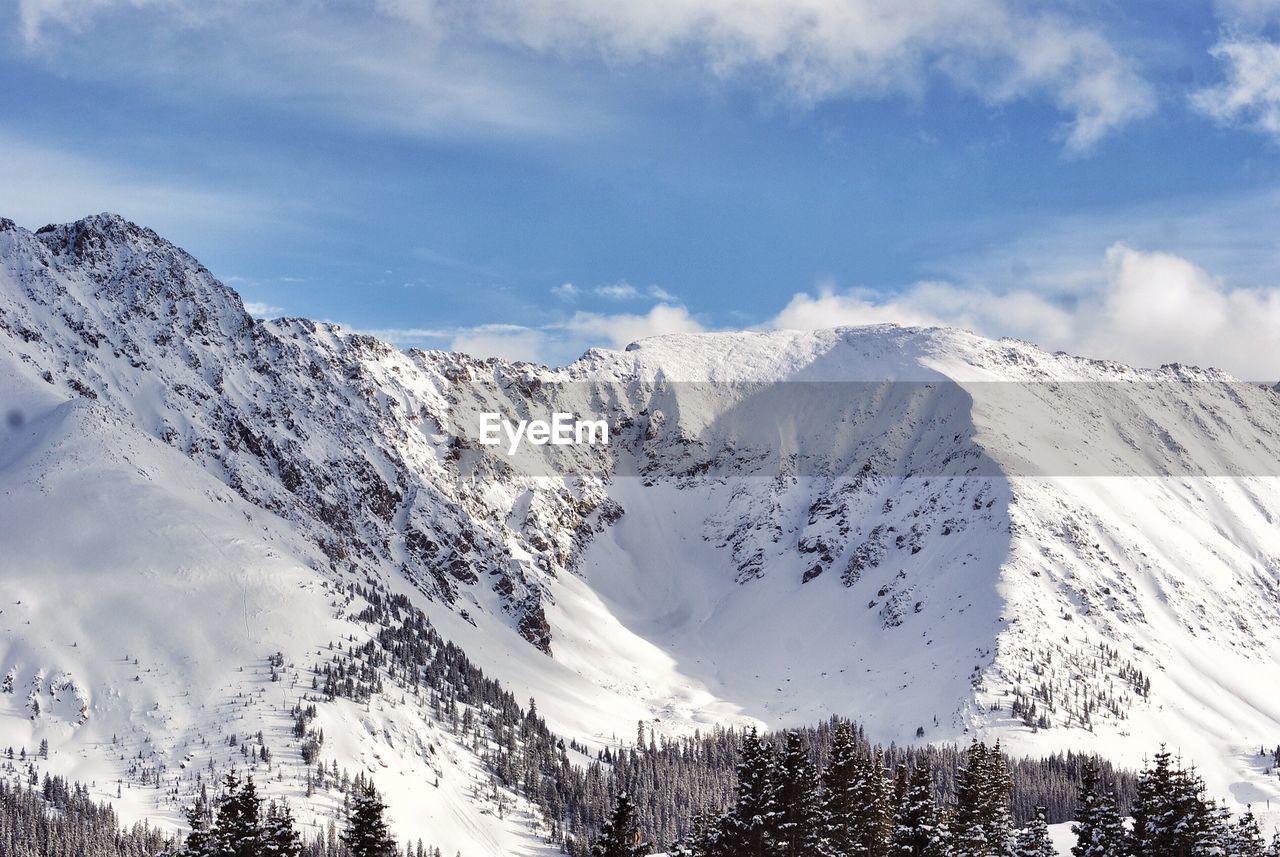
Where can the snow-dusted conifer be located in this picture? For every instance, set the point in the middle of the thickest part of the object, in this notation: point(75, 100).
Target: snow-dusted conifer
point(840, 808)
point(1099, 829)
point(279, 835)
point(367, 834)
point(749, 829)
point(1034, 840)
point(917, 829)
point(620, 834)
point(799, 807)
point(1246, 836)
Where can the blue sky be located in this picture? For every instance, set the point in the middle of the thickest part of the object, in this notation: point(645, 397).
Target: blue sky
point(532, 178)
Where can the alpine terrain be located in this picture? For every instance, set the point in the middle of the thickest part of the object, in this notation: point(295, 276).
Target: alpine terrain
point(282, 547)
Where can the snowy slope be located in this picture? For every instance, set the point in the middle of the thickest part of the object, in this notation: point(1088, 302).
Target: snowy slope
point(912, 527)
point(142, 600)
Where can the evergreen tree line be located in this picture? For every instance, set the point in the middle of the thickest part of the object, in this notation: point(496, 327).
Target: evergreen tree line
point(61, 820)
point(664, 778)
point(785, 806)
point(1172, 817)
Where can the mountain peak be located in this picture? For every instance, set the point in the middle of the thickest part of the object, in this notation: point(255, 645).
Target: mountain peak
point(99, 237)
point(122, 275)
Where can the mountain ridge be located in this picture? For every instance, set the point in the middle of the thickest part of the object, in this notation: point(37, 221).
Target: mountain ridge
point(917, 551)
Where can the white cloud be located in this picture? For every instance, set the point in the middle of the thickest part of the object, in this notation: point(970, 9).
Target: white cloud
point(257, 309)
point(932, 304)
point(1160, 308)
point(1142, 308)
point(821, 49)
point(435, 67)
point(617, 292)
point(828, 308)
point(621, 329)
point(507, 341)
point(1250, 94)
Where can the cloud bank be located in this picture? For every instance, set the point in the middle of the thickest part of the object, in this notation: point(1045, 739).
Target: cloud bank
point(1144, 308)
point(432, 67)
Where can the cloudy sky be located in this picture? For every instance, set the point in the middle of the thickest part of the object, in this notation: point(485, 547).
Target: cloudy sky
point(531, 177)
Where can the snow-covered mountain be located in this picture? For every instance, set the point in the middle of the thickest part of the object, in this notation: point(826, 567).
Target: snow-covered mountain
point(929, 531)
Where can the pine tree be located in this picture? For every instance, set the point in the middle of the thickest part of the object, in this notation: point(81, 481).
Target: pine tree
point(199, 841)
point(1214, 830)
point(799, 808)
point(1150, 808)
point(917, 829)
point(874, 827)
point(968, 825)
point(997, 820)
point(620, 834)
point(1099, 829)
point(840, 809)
point(279, 836)
point(1172, 816)
point(1034, 840)
point(238, 827)
point(858, 810)
point(367, 834)
point(1194, 820)
point(749, 828)
point(703, 830)
point(1246, 836)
